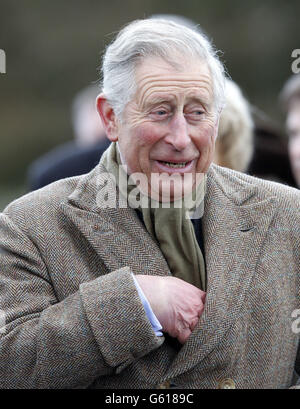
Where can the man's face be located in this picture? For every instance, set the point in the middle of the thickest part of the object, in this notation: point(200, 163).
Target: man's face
point(170, 124)
point(293, 129)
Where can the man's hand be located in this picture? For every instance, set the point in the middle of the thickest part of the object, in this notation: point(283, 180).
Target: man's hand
point(176, 304)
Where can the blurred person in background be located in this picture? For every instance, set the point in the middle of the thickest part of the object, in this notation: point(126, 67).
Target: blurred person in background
point(76, 157)
point(248, 141)
point(290, 99)
point(235, 141)
point(270, 158)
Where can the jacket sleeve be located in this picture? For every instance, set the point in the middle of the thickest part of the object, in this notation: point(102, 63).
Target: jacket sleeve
point(96, 331)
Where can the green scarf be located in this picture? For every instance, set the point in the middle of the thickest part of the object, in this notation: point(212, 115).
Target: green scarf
point(170, 227)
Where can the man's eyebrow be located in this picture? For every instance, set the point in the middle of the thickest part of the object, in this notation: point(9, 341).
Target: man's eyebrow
point(199, 99)
point(158, 99)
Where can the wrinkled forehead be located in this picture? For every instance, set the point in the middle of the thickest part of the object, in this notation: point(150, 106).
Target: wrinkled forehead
point(156, 77)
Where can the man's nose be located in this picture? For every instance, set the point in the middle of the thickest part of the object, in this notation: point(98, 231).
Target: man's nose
point(178, 134)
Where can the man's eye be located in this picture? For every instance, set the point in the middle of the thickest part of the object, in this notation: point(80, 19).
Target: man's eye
point(161, 112)
point(195, 114)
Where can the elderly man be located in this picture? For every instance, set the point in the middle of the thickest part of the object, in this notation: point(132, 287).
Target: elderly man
point(126, 277)
point(290, 97)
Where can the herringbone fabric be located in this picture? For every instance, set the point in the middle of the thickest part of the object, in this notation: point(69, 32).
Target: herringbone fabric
point(73, 315)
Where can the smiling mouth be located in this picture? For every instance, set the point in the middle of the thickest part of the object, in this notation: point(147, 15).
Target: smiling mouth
point(175, 164)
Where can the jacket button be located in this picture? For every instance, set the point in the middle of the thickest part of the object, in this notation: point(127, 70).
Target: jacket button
point(164, 385)
point(226, 384)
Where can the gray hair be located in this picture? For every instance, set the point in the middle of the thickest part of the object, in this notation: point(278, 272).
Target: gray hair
point(160, 38)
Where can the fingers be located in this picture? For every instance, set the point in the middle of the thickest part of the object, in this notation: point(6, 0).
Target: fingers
point(184, 328)
point(200, 310)
point(184, 335)
point(177, 304)
point(189, 308)
point(203, 296)
point(193, 323)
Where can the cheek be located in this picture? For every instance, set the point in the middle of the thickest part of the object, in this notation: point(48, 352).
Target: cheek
point(206, 138)
point(148, 134)
point(206, 145)
point(142, 139)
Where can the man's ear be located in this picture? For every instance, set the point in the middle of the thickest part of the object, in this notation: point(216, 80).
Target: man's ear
point(108, 117)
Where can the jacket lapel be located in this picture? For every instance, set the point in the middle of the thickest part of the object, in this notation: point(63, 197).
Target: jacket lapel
point(116, 234)
point(235, 224)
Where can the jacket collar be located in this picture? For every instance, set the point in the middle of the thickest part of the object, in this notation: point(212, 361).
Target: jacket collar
point(115, 233)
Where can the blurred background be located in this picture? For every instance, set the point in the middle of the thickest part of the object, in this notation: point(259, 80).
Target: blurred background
point(53, 50)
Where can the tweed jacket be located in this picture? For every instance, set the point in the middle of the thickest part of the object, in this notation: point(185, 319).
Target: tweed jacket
point(74, 318)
